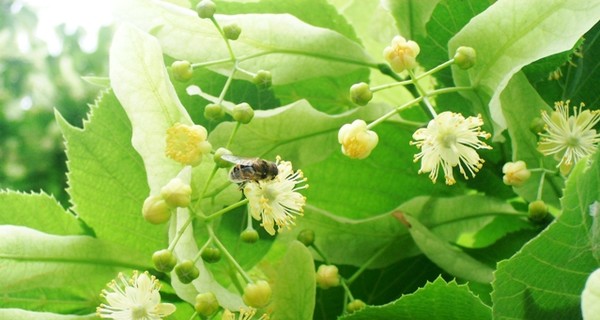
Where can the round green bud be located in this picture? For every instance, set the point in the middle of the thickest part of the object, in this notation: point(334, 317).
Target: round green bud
point(176, 193)
point(219, 161)
point(214, 111)
point(211, 255)
point(465, 57)
point(249, 236)
point(538, 210)
point(327, 276)
point(206, 9)
point(187, 271)
point(155, 210)
point(243, 113)
point(355, 305)
point(182, 70)
point(258, 294)
point(232, 31)
point(360, 93)
point(307, 237)
point(164, 260)
point(537, 125)
point(206, 304)
point(263, 79)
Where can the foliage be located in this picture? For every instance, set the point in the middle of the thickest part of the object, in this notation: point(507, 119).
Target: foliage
point(407, 248)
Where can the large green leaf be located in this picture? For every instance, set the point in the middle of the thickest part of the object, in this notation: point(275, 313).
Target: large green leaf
point(411, 15)
point(292, 51)
point(107, 178)
point(64, 274)
point(37, 211)
point(545, 279)
point(19, 314)
point(437, 300)
point(535, 30)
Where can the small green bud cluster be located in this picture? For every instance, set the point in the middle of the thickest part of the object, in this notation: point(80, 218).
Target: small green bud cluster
point(307, 237)
point(232, 31)
point(355, 305)
point(164, 260)
point(465, 57)
point(182, 70)
point(206, 9)
point(243, 113)
point(361, 94)
point(157, 208)
point(187, 271)
point(249, 236)
point(538, 210)
point(219, 160)
point(263, 79)
point(206, 304)
point(257, 294)
point(213, 111)
point(327, 276)
point(211, 255)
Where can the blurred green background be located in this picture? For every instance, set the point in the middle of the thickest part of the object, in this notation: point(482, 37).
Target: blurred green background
point(36, 79)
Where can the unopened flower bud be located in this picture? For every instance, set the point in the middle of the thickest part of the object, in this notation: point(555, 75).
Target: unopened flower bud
point(307, 237)
point(327, 276)
point(537, 125)
point(232, 31)
point(355, 305)
point(257, 294)
point(214, 111)
point(465, 57)
point(515, 173)
point(263, 79)
point(187, 271)
point(243, 113)
point(401, 54)
point(538, 210)
point(206, 304)
point(156, 210)
point(211, 255)
point(187, 144)
point(249, 236)
point(357, 142)
point(164, 260)
point(360, 93)
point(177, 193)
point(206, 9)
point(182, 70)
point(220, 162)
point(590, 297)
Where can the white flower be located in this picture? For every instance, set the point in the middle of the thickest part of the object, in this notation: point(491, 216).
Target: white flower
point(357, 142)
point(450, 140)
point(569, 138)
point(590, 297)
point(136, 298)
point(276, 201)
point(401, 54)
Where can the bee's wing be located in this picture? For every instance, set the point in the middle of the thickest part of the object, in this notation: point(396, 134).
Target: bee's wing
point(236, 160)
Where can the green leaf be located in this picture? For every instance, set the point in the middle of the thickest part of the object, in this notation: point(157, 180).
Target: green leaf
point(292, 51)
point(411, 15)
point(586, 72)
point(535, 30)
point(437, 300)
point(37, 211)
point(292, 280)
point(20, 314)
point(521, 105)
point(107, 179)
point(446, 256)
point(545, 279)
point(65, 274)
point(141, 83)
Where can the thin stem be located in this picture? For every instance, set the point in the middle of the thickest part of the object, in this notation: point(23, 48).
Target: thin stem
point(228, 255)
point(314, 246)
point(199, 254)
point(310, 54)
point(390, 85)
point(347, 289)
point(194, 315)
point(212, 63)
point(249, 225)
point(216, 24)
point(180, 232)
point(226, 209)
point(367, 264)
point(393, 112)
point(541, 186)
point(232, 135)
point(423, 93)
point(205, 188)
point(227, 84)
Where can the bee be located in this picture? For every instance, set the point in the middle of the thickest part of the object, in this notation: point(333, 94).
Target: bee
point(250, 169)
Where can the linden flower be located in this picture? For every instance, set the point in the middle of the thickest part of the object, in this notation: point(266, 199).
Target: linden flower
point(569, 138)
point(136, 298)
point(515, 173)
point(187, 144)
point(357, 142)
point(401, 54)
point(450, 140)
point(245, 314)
point(276, 201)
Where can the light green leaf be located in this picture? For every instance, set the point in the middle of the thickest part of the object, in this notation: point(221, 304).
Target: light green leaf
point(504, 45)
point(141, 83)
point(292, 280)
point(446, 256)
point(63, 274)
point(37, 211)
point(546, 278)
point(107, 179)
point(411, 15)
point(437, 300)
point(20, 314)
point(292, 51)
point(521, 105)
